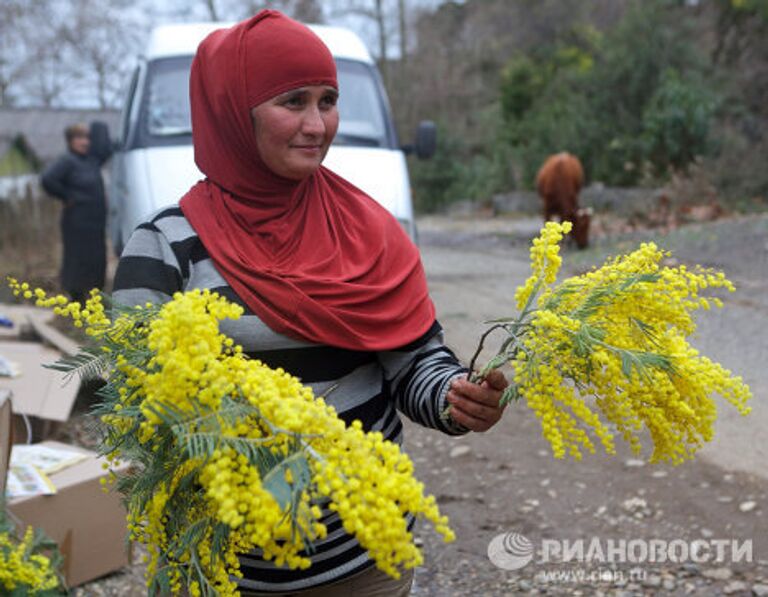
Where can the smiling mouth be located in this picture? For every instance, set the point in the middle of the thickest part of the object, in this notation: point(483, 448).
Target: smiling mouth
point(309, 150)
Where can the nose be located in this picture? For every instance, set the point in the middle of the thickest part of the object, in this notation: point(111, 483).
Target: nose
point(313, 124)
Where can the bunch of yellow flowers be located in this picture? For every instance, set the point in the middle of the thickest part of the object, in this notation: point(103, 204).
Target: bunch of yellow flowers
point(606, 353)
point(230, 455)
point(23, 569)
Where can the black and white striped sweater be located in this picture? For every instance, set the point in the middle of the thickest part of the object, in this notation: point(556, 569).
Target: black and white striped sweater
point(165, 255)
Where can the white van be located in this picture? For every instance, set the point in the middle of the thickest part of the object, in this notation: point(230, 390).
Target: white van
point(154, 166)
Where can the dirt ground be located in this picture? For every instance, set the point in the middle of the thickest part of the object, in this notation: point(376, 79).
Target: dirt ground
point(506, 481)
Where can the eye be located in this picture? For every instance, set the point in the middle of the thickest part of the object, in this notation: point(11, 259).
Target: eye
point(295, 100)
point(329, 100)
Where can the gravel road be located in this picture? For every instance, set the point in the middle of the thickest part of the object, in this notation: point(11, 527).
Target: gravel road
point(506, 481)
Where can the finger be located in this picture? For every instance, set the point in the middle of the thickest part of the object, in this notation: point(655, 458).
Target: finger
point(465, 419)
point(495, 379)
point(477, 410)
point(476, 393)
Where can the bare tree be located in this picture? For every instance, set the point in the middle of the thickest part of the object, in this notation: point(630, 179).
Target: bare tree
point(56, 53)
point(388, 18)
point(211, 4)
point(32, 68)
point(101, 35)
point(381, 26)
point(10, 65)
point(402, 30)
point(307, 11)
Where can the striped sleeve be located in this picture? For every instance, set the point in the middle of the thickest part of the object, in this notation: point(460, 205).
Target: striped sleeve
point(418, 377)
point(149, 270)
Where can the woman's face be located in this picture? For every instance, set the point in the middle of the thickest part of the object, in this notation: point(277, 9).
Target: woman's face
point(294, 129)
point(80, 144)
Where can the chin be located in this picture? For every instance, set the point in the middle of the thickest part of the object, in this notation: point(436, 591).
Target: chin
point(303, 171)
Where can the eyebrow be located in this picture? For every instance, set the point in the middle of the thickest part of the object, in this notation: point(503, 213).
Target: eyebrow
point(303, 90)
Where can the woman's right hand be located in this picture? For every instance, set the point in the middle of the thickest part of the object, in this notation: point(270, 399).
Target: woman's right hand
point(477, 407)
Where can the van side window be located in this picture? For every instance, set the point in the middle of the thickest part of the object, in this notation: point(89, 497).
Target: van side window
point(362, 114)
point(168, 111)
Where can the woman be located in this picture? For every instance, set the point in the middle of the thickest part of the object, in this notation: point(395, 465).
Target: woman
point(333, 289)
point(75, 179)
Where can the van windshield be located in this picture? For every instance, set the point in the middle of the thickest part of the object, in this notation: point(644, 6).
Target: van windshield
point(165, 116)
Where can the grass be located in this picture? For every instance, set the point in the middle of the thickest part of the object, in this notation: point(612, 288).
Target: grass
point(30, 243)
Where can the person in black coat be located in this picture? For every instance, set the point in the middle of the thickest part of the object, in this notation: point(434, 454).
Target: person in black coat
point(75, 179)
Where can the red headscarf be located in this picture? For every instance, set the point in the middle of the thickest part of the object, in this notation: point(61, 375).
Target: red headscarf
point(316, 259)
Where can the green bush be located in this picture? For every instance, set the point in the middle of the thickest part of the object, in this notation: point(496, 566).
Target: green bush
point(676, 123)
point(522, 82)
point(460, 171)
point(434, 179)
point(617, 101)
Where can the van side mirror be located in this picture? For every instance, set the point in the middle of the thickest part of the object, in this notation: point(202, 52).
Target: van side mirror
point(426, 140)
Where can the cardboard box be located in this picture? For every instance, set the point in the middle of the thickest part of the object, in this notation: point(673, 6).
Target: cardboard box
point(40, 323)
point(35, 323)
point(42, 399)
point(17, 317)
point(37, 391)
point(22, 316)
point(88, 524)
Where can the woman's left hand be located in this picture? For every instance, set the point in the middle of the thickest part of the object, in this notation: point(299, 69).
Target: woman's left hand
point(476, 406)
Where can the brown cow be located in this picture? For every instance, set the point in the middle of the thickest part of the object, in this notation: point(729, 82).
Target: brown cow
point(558, 182)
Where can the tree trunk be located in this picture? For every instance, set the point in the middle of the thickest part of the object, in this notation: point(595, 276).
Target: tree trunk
point(381, 25)
point(211, 5)
point(403, 26)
